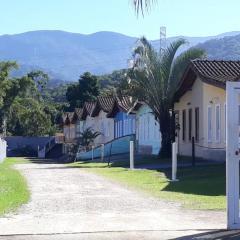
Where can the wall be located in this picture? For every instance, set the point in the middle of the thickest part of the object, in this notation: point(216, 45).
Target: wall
point(105, 126)
point(147, 131)
point(17, 142)
point(89, 122)
point(69, 132)
point(124, 124)
point(3, 150)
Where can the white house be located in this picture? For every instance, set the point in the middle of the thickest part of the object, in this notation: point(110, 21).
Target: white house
point(102, 124)
point(88, 120)
point(148, 134)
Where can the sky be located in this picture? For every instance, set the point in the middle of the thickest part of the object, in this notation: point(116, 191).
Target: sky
point(181, 17)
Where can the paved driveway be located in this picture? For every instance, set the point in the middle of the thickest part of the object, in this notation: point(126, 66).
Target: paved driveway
point(71, 203)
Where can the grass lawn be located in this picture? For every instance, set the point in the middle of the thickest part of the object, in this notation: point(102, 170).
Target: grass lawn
point(13, 187)
point(199, 188)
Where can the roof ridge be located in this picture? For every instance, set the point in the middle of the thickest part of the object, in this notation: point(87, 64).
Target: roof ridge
point(213, 60)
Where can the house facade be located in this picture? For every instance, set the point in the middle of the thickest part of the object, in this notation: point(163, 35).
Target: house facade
point(200, 107)
point(124, 119)
point(148, 134)
point(69, 130)
point(86, 118)
point(102, 123)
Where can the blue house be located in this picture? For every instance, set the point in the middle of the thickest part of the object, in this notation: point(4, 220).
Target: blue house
point(124, 119)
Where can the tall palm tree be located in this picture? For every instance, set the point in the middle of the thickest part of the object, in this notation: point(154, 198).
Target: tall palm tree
point(143, 5)
point(155, 76)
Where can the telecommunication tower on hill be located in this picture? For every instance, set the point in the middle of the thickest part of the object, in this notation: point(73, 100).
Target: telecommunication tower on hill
point(163, 40)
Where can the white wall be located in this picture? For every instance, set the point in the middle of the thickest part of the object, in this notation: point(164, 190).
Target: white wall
point(147, 131)
point(3, 150)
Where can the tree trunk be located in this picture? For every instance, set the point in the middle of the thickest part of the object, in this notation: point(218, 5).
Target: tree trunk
point(165, 129)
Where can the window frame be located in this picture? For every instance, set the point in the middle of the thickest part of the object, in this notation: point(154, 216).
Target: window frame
point(209, 130)
point(197, 123)
point(218, 123)
point(184, 125)
point(190, 124)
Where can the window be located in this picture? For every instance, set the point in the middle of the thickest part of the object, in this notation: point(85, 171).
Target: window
point(218, 122)
point(183, 124)
point(190, 124)
point(209, 115)
point(197, 124)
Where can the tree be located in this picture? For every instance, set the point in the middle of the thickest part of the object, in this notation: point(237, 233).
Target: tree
point(86, 90)
point(87, 137)
point(23, 110)
point(27, 117)
point(155, 77)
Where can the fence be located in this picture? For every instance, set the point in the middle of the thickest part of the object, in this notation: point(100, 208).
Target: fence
point(3, 149)
point(116, 146)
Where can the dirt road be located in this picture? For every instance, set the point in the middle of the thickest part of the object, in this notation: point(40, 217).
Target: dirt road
point(71, 203)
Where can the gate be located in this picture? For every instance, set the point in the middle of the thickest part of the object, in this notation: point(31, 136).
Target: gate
point(232, 153)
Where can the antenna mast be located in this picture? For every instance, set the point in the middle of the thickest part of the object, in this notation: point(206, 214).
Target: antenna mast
point(163, 40)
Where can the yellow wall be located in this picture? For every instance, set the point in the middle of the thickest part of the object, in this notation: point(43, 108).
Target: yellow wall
point(201, 95)
point(190, 100)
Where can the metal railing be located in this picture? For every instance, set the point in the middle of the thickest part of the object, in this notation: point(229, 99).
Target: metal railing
point(114, 147)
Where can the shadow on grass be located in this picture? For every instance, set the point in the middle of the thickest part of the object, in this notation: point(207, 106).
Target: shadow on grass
point(46, 160)
point(213, 235)
point(207, 180)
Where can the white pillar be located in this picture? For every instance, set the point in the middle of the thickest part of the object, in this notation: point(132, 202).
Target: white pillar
point(131, 155)
point(176, 140)
point(174, 161)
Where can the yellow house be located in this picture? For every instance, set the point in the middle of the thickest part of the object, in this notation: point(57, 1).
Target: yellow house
point(200, 107)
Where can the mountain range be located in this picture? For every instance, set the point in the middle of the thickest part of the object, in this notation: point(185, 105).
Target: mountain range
point(64, 55)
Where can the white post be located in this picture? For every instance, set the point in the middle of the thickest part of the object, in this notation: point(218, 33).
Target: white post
point(176, 141)
point(102, 152)
point(131, 155)
point(174, 161)
point(232, 154)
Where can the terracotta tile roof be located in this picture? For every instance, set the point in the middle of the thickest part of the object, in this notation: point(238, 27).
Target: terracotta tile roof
point(221, 71)
point(124, 103)
point(87, 109)
point(213, 72)
point(103, 103)
point(78, 112)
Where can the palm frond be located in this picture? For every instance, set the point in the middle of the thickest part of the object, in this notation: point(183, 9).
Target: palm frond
point(179, 66)
point(143, 6)
point(166, 63)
